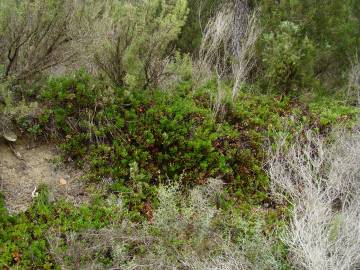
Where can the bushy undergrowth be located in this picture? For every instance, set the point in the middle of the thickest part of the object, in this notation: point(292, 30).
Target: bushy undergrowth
point(23, 237)
point(160, 135)
point(186, 231)
point(153, 128)
point(135, 141)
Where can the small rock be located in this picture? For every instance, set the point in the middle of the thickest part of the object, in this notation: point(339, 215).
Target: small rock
point(10, 136)
point(62, 182)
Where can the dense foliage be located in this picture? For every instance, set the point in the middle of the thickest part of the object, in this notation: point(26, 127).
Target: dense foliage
point(170, 107)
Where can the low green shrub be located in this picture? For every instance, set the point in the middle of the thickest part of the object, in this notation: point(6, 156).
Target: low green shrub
point(186, 230)
point(23, 237)
point(134, 142)
point(165, 135)
point(137, 140)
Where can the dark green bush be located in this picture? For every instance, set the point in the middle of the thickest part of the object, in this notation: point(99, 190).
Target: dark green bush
point(167, 136)
point(331, 26)
point(163, 135)
point(288, 60)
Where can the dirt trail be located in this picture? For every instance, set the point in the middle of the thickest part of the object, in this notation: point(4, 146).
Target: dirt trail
point(24, 167)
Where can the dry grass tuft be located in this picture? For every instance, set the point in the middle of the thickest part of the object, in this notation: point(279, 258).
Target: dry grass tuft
point(228, 47)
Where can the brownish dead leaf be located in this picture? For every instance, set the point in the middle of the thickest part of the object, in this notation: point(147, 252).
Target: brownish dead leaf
point(148, 211)
point(16, 256)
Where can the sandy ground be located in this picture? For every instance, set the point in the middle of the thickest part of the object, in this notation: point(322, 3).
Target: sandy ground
point(23, 167)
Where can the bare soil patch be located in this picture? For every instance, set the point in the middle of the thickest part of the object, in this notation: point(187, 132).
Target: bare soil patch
point(24, 166)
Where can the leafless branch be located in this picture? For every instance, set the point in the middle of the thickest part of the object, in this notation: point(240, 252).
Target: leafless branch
point(228, 44)
point(322, 182)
